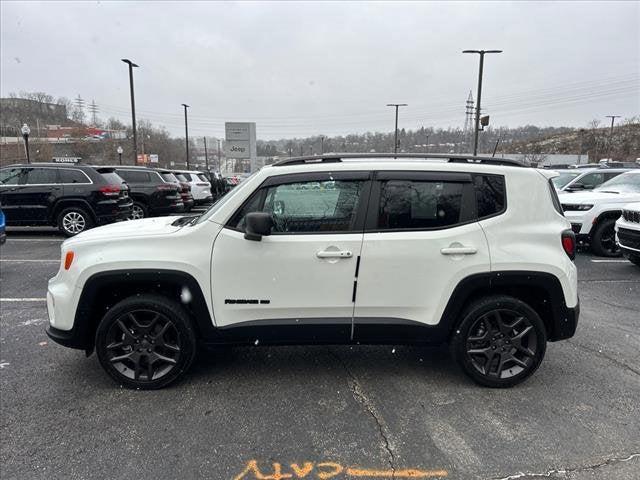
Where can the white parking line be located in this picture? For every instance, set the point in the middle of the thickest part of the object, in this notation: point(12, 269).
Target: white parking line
point(23, 299)
point(21, 260)
point(610, 261)
point(11, 239)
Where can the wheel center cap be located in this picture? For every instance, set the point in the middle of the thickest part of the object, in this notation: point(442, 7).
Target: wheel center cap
point(145, 344)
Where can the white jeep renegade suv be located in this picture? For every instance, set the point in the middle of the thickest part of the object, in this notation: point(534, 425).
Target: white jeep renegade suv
point(337, 249)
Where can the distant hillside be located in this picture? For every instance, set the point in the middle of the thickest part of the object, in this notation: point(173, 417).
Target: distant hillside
point(596, 142)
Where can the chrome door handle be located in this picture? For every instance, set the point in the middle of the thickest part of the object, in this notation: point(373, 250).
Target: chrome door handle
point(334, 254)
point(458, 250)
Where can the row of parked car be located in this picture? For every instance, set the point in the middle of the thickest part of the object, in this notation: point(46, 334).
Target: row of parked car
point(77, 197)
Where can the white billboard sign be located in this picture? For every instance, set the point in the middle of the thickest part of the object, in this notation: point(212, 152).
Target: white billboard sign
point(240, 140)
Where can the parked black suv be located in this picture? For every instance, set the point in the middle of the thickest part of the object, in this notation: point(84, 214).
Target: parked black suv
point(72, 197)
point(151, 194)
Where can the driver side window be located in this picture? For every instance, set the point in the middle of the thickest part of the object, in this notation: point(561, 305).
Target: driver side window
point(306, 207)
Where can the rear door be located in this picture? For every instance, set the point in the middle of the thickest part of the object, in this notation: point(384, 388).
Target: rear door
point(297, 283)
point(422, 238)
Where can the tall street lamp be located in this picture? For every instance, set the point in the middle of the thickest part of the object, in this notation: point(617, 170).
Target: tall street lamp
point(186, 132)
point(477, 126)
point(119, 150)
point(395, 143)
point(25, 134)
point(133, 109)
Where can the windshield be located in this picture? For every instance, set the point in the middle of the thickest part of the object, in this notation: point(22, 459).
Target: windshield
point(625, 183)
point(564, 178)
point(221, 201)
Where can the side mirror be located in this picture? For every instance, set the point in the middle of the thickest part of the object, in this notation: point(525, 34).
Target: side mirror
point(257, 225)
point(576, 186)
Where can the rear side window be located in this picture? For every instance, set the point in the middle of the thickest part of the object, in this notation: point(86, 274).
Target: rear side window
point(182, 177)
point(73, 176)
point(406, 204)
point(555, 199)
point(490, 195)
point(203, 178)
point(42, 176)
point(134, 176)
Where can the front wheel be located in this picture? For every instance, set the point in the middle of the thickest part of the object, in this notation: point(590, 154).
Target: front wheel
point(603, 241)
point(499, 342)
point(146, 342)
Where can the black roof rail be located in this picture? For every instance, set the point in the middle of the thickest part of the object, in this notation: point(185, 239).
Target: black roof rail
point(338, 157)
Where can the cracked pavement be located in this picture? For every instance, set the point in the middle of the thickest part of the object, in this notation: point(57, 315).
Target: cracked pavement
point(312, 411)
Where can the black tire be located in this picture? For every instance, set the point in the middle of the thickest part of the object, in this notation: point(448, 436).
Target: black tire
point(506, 350)
point(603, 240)
point(146, 342)
point(633, 258)
point(73, 220)
point(138, 210)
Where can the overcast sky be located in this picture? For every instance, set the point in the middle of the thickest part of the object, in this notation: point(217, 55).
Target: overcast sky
point(302, 69)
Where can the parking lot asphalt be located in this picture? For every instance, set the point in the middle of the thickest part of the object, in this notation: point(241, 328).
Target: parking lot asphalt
point(321, 412)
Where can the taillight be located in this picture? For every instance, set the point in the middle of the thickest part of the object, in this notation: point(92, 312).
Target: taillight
point(166, 187)
point(110, 190)
point(68, 260)
point(569, 243)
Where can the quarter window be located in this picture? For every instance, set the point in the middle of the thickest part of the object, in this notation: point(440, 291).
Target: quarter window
point(72, 176)
point(134, 176)
point(42, 176)
point(307, 207)
point(490, 194)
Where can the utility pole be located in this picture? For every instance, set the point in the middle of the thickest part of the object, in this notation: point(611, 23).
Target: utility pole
point(395, 143)
point(613, 119)
point(93, 108)
point(477, 123)
point(321, 144)
point(219, 157)
point(206, 156)
point(133, 109)
point(186, 132)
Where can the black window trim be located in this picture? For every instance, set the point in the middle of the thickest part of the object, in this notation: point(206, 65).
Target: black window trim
point(276, 180)
point(90, 182)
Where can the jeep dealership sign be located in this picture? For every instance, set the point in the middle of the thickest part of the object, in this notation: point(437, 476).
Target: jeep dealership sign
point(240, 140)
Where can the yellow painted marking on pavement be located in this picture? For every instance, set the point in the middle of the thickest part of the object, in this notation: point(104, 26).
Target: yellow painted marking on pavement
point(328, 470)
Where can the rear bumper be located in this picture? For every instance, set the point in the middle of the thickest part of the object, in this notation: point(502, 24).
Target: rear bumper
point(112, 211)
point(566, 324)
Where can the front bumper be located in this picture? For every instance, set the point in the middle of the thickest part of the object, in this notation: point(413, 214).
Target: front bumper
point(69, 338)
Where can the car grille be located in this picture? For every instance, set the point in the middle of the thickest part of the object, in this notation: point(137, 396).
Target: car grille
point(631, 216)
point(629, 238)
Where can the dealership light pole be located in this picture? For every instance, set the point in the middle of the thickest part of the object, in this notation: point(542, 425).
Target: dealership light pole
point(321, 144)
point(25, 134)
point(186, 132)
point(133, 109)
point(477, 124)
point(206, 155)
point(395, 143)
point(119, 150)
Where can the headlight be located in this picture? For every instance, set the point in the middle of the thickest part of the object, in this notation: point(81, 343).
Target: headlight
point(576, 207)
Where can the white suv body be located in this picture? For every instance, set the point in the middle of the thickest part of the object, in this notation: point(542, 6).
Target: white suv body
point(384, 251)
point(593, 214)
point(628, 232)
point(200, 186)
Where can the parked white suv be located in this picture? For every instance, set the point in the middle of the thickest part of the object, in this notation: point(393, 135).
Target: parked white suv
point(628, 232)
point(593, 214)
point(385, 250)
point(576, 180)
point(200, 186)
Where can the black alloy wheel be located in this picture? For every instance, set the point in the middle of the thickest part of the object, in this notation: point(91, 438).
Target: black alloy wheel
point(145, 342)
point(603, 242)
point(500, 341)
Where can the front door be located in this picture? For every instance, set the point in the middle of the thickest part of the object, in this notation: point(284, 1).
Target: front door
point(295, 285)
point(421, 239)
point(10, 180)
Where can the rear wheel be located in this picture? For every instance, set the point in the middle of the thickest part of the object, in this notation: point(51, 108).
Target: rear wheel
point(499, 342)
point(603, 241)
point(146, 342)
point(74, 220)
point(138, 211)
